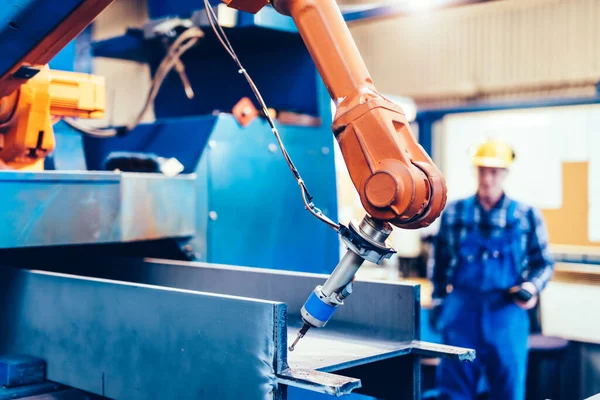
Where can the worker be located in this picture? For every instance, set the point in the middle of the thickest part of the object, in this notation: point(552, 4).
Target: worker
point(491, 261)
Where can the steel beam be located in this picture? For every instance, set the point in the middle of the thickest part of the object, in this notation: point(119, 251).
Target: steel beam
point(102, 207)
point(126, 341)
point(376, 327)
point(379, 310)
point(316, 381)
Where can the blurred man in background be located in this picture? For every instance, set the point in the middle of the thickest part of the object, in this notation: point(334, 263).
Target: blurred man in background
point(491, 261)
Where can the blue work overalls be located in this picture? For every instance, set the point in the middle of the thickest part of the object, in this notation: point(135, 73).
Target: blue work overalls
point(477, 314)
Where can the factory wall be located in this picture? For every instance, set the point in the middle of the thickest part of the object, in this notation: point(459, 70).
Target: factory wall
point(498, 49)
point(557, 166)
point(127, 82)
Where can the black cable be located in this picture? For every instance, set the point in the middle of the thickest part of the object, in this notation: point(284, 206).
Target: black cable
point(306, 197)
point(183, 43)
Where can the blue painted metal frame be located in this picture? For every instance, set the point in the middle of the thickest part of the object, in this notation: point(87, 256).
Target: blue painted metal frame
point(286, 82)
point(243, 183)
point(184, 8)
point(52, 208)
point(260, 41)
point(251, 186)
point(130, 46)
point(23, 23)
point(260, 218)
point(182, 138)
point(68, 155)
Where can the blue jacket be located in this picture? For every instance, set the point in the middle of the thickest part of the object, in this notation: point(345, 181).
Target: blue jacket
point(535, 261)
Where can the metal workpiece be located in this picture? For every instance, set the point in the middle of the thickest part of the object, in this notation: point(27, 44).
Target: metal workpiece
point(426, 349)
point(132, 341)
point(332, 350)
point(370, 312)
point(179, 327)
point(317, 381)
point(62, 208)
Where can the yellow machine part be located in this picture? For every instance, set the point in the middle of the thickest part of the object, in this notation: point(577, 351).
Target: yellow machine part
point(77, 95)
point(27, 136)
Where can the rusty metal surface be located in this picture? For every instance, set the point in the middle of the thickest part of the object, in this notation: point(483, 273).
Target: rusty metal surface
point(56, 208)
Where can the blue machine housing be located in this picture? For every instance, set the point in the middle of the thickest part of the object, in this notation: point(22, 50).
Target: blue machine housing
point(24, 22)
point(184, 8)
point(249, 209)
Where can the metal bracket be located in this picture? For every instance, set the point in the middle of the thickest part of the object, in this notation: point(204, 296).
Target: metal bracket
point(208, 322)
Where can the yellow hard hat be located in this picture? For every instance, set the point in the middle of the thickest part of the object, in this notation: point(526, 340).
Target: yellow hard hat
point(494, 153)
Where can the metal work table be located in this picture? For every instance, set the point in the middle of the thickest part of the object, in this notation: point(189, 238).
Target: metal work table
point(64, 208)
point(136, 329)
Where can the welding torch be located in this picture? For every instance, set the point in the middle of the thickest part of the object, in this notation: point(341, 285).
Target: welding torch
point(364, 242)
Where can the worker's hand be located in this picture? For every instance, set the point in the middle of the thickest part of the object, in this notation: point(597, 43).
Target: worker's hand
point(530, 287)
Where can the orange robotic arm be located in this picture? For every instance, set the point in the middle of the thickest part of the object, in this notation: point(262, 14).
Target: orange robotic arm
point(26, 132)
point(396, 180)
point(30, 94)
